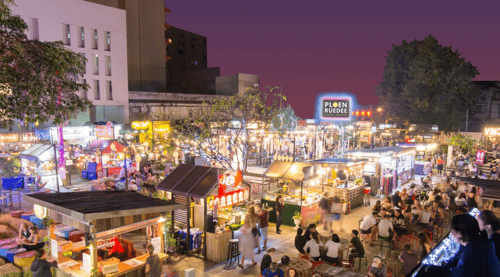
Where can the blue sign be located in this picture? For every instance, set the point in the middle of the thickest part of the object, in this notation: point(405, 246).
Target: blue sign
point(335, 106)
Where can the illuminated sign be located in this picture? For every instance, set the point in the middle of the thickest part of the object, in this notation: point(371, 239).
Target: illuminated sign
point(335, 106)
point(492, 131)
point(480, 157)
point(140, 125)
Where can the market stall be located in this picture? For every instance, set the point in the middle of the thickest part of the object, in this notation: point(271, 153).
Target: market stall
point(298, 184)
point(393, 165)
point(106, 158)
point(102, 216)
point(342, 178)
point(38, 160)
point(422, 152)
point(211, 194)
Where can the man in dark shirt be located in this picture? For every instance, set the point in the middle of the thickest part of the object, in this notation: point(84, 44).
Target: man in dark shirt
point(279, 213)
point(490, 224)
point(40, 266)
point(264, 224)
point(359, 250)
point(396, 199)
point(310, 229)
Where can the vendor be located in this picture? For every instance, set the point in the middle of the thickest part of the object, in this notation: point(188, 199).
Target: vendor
point(35, 241)
point(39, 185)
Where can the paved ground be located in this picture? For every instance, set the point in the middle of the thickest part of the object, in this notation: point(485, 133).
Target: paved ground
point(284, 244)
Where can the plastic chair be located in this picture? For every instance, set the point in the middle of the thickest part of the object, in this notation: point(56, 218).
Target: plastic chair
point(381, 242)
point(360, 259)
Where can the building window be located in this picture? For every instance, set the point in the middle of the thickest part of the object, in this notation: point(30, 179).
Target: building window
point(66, 34)
point(94, 40)
point(81, 37)
point(34, 29)
point(109, 91)
point(84, 92)
point(108, 65)
point(95, 64)
point(97, 91)
point(107, 39)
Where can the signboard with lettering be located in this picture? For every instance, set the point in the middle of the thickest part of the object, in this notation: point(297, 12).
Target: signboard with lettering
point(492, 131)
point(334, 106)
point(480, 157)
point(231, 198)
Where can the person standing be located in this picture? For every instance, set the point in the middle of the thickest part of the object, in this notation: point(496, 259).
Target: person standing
point(153, 263)
point(489, 223)
point(40, 266)
point(247, 242)
point(264, 224)
point(440, 166)
point(279, 213)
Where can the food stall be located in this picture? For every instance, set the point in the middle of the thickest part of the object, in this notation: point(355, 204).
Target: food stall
point(444, 250)
point(110, 153)
point(210, 193)
point(103, 216)
point(299, 184)
point(422, 152)
point(393, 165)
point(39, 160)
point(342, 178)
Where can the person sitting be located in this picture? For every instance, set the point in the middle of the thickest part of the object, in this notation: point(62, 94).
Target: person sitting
point(292, 272)
point(396, 199)
point(377, 269)
point(24, 232)
point(35, 240)
point(407, 213)
point(267, 260)
point(368, 226)
point(313, 246)
point(461, 202)
point(310, 229)
point(398, 215)
point(273, 270)
point(476, 255)
point(300, 241)
point(438, 212)
point(40, 267)
point(387, 203)
point(359, 250)
point(425, 218)
point(409, 259)
point(332, 253)
point(385, 229)
point(377, 207)
point(490, 224)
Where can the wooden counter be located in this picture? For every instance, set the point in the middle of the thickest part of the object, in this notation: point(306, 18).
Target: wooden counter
point(124, 268)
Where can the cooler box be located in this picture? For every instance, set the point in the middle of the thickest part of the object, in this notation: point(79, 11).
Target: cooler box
point(85, 174)
point(37, 221)
point(24, 259)
point(92, 176)
point(26, 216)
point(91, 167)
point(11, 253)
point(6, 247)
point(17, 214)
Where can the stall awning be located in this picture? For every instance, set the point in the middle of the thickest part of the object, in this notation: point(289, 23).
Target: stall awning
point(114, 146)
point(92, 205)
point(38, 152)
point(295, 172)
point(277, 169)
point(191, 180)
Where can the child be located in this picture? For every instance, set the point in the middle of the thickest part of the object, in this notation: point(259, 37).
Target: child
point(409, 259)
point(272, 271)
point(267, 260)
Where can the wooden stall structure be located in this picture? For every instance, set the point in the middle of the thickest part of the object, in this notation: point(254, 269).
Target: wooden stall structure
point(102, 215)
point(206, 191)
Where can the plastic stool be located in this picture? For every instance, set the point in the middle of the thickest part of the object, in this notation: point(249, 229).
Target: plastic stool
point(234, 252)
point(360, 259)
point(381, 242)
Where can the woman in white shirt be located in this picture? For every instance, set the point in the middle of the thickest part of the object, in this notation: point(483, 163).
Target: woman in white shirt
point(425, 218)
point(332, 253)
point(313, 244)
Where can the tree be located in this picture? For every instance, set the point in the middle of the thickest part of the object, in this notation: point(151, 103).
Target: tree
point(38, 80)
point(426, 82)
point(284, 121)
point(9, 166)
point(222, 130)
point(464, 143)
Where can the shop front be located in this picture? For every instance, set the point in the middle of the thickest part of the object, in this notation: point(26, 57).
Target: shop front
point(85, 226)
point(217, 200)
point(38, 160)
point(300, 186)
point(422, 152)
point(394, 166)
point(105, 158)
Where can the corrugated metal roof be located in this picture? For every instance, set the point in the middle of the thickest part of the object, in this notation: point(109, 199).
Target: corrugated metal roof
point(277, 169)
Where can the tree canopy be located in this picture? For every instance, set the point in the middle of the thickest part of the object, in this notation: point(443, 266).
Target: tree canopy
point(38, 80)
point(426, 82)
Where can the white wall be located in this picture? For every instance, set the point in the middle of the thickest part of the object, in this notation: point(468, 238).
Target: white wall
point(53, 14)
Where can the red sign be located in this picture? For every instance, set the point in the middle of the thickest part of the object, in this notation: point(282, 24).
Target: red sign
point(480, 157)
point(232, 198)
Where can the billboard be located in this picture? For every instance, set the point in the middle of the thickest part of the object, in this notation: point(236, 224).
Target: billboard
point(335, 106)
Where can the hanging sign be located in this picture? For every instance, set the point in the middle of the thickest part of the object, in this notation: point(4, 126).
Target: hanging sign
point(231, 198)
point(480, 157)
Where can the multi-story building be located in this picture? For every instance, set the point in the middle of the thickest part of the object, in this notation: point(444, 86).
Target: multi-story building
point(186, 63)
point(486, 112)
point(97, 32)
point(237, 83)
point(145, 21)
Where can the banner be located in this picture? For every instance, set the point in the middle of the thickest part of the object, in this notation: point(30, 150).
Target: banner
point(232, 198)
point(104, 132)
point(480, 157)
point(42, 134)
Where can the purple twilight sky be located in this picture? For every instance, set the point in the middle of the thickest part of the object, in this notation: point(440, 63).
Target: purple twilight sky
point(315, 46)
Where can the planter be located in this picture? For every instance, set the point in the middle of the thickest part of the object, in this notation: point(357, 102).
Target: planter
point(297, 222)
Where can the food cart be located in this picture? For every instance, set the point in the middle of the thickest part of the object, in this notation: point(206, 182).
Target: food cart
point(210, 193)
point(393, 165)
point(298, 184)
point(101, 215)
point(342, 178)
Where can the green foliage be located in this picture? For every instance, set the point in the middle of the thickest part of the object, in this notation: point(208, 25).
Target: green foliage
point(160, 167)
point(464, 143)
point(284, 121)
point(40, 75)
point(297, 215)
point(426, 82)
point(227, 121)
point(9, 166)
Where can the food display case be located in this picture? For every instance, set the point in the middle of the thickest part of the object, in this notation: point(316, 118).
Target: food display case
point(443, 251)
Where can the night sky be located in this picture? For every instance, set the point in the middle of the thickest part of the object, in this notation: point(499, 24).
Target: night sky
point(315, 46)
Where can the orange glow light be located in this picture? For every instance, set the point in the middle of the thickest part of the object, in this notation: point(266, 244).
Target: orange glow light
point(357, 113)
point(363, 113)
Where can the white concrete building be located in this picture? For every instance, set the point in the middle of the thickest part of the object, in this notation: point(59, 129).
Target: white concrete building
point(97, 31)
